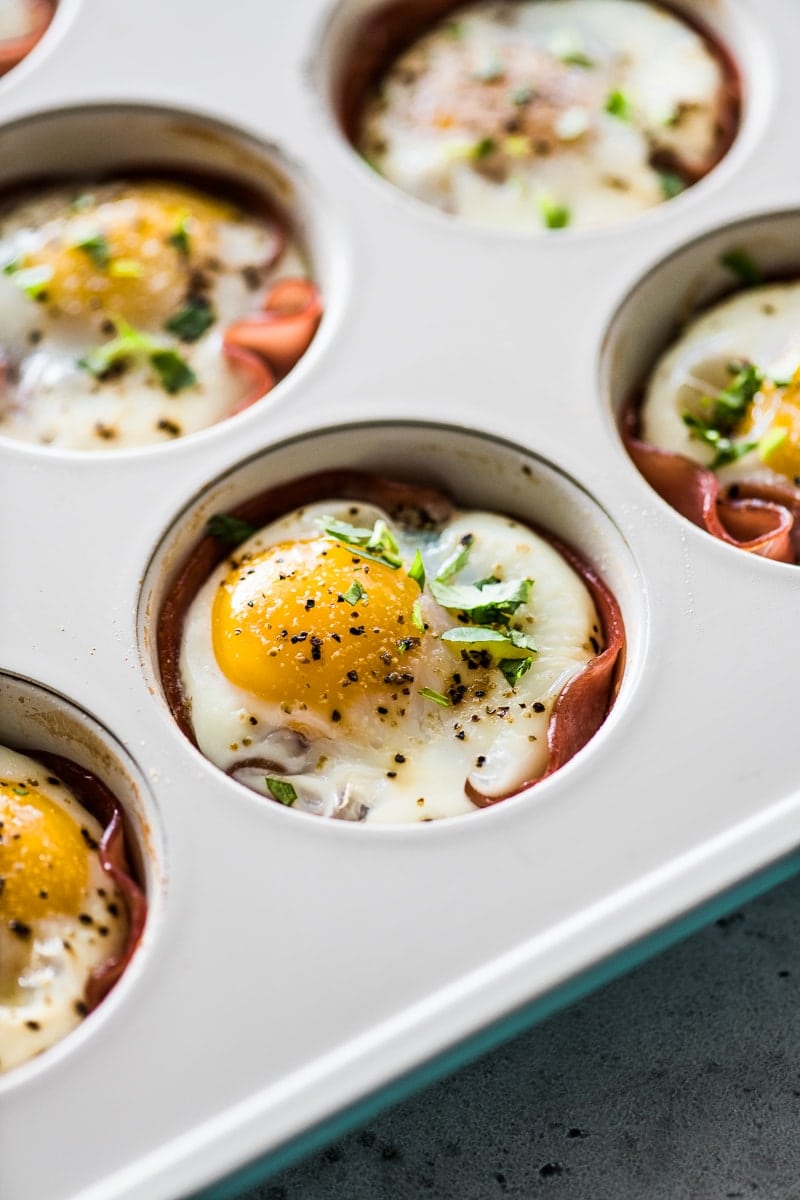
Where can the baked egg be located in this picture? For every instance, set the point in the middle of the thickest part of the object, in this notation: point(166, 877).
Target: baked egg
point(63, 919)
point(544, 114)
point(382, 666)
point(128, 311)
point(727, 393)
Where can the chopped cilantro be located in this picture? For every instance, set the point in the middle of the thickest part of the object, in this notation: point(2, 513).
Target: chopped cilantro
point(230, 530)
point(576, 58)
point(281, 790)
point(567, 45)
point(437, 697)
point(484, 148)
point(500, 643)
point(724, 412)
point(378, 543)
point(174, 372)
point(416, 615)
point(457, 561)
point(31, 280)
point(490, 604)
point(191, 322)
point(417, 571)
point(671, 184)
point(354, 593)
point(514, 668)
point(618, 104)
point(97, 249)
point(742, 265)
point(179, 238)
point(554, 215)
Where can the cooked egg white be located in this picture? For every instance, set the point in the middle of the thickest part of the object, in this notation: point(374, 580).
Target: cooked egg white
point(101, 284)
point(760, 327)
point(60, 915)
point(542, 114)
point(17, 18)
point(302, 662)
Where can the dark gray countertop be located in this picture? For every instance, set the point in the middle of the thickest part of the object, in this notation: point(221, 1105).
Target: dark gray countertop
point(680, 1081)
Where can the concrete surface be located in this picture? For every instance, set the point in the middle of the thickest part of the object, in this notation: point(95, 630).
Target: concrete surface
point(680, 1081)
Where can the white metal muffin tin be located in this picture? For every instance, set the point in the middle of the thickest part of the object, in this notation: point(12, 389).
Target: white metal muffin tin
point(291, 965)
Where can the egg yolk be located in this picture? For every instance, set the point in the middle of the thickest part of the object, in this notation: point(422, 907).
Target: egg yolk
point(43, 856)
point(313, 625)
point(777, 411)
point(129, 256)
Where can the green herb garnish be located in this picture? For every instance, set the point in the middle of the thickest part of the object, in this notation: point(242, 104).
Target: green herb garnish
point(191, 322)
point(484, 148)
point(179, 238)
point(671, 184)
point(31, 280)
point(554, 215)
point(499, 643)
point(174, 372)
point(493, 603)
point(417, 571)
point(353, 593)
point(416, 615)
point(457, 561)
point(576, 58)
point(281, 791)
point(618, 104)
point(378, 543)
point(514, 668)
point(742, 265)
point(230, 530)
point(97, 249)
point(437, 697)
point(724, 411)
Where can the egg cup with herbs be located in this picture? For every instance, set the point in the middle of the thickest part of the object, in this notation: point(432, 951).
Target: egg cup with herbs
point(71, 912)
point(133, 312)
point(364, 650)
point(717, 429)
point(536, 115)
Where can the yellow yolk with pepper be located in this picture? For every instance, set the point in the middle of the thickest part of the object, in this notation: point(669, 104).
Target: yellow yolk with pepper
point(287, 628)
point(61, 916)
point(129, 256)
point(43, 856)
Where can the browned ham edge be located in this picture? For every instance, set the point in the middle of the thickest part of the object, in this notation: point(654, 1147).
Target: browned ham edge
point(13, 50)
point(762, 519)
point(268, 344)
point(580, 709)
point(586, 701)
point(98, 799)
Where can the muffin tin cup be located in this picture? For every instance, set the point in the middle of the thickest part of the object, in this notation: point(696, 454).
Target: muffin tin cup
point(36, 721)
point(295, 965)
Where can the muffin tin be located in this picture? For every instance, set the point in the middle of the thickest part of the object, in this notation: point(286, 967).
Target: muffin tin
point(290, 966)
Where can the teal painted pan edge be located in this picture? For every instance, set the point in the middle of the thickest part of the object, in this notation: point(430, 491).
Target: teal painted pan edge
point(467, 1051)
